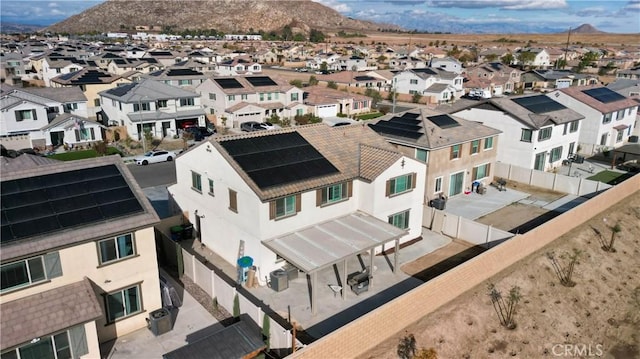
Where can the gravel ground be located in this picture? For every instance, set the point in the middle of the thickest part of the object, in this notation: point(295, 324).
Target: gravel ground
point(204, 299)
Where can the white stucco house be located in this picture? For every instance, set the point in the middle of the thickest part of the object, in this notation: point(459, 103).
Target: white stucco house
point(269, 192)
point(537, 132)
point(449, 85)
point(609, 117)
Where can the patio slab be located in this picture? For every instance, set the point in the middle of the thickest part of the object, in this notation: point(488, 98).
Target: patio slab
point(474, 205)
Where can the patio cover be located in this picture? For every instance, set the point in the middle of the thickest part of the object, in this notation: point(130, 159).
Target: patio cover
point(324, 244)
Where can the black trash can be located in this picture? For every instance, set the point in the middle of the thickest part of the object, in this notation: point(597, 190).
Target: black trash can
point(187, 231)
point(176, 233)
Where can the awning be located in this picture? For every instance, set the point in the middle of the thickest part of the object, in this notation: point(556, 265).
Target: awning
point(322, 245)
point(621, 127)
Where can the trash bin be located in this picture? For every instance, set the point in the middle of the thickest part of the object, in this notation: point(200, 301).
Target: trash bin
point(187, 231)
point(160, 321)
point(279, 280)
point(176, 233)
point(438, 203)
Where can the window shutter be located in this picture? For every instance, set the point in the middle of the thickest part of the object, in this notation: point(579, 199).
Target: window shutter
point(272, 210)
point(233, 200)
point(471, 147)
point(318, 197)
point(298, 202)
point(350, 189)
point(52, 265)
point(388, 188)
point(414, 176)
point(93, 134)
point(78, 338)
point(34, 114)
point(77, 135)
point(474, 175)
point(451, 153)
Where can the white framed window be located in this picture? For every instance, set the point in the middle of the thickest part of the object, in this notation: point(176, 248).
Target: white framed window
point(401, 184)
point(113, 249)
point(196, 181)
point(421, 155)
point(481, 171)
point(619, 136)
point(244, 96)
point(619, 115)
point(212, 96)
point(438, 185)
point(22, 115)
point(23, 273)
point(573, 126)
point(544, 133)
point(57, 346)
point(400, 220)
point(332, 194)
point(488, 143)
point(413, 82)
point(187, 102)
point(556, 154)
point(284, 207)
point(211, 187)
point(123, 303)
point(184, 82)
point(526, 135)
point(455, 152)
point(607, 117)
point(475, 146)
point(146, 106)
point(294, 96)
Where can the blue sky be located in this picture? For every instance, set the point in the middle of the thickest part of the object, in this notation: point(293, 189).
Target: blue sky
point(497, 16)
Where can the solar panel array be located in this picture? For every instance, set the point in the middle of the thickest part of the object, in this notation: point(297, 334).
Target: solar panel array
point(604, 95)
point(278, 159)
point(183, 72)
point(229, 83)
point(444, 121)
point(91, 77)
point(50, 203)
point(425, 70)
point(539, 104)
point(259, 81)
point(408, 125)
point(122, 89)
point(364, 78)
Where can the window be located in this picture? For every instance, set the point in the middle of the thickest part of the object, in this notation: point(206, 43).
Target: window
point(564, 131)
point(556, 154)
point(56, 346)
point(607, 118)
point(401, 184)
point(30, 271)
point(233, 200)
point(212, 96)
point(261, 96)
point(184, 82)
point(123, 303)
point(284, 207)
point(294, 96)
point(186, 101)
point(196, 181)
point(116, 248)
point(413, 82)
point(96, 102)
point(400, 220)
point(455, 152)
point(544, 133)
point(573, 126)
point(146, 106)
point(299, 112)
point(572, 146)
point(211, 187)
point(269, 96)
point(488, 143)
point(244, 96)
point(526, 135)
point(438, 187)
point(25, 115)
point(619, 115)
point(161, 104)
point(421, 155)
point(620, 135)
point(475, 146)
point(333, 194)
point(480, 172)
point(231, 97)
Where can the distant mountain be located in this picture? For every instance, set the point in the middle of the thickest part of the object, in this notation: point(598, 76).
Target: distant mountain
point(9, 28)
point(228, 16)
point(586, 29)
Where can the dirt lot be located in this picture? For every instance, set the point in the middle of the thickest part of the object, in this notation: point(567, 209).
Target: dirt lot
point(601, 313)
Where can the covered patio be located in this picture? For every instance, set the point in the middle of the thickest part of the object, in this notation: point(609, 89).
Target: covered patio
point(332, 243)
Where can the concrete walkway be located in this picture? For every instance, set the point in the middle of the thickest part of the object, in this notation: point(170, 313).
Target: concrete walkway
point(474, 205)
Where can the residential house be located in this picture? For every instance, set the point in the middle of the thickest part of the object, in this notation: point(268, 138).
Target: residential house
point(319, 99)
point(296, 188)
point(547, 80)
point(406, 63)
point(492, 54)
point(626, 87)
point(495, 77)
point(540, 59)
point(632, 73)
point(330, 59)
point(12, 68)
point(440, 85)
point(123, 66)
point(238, 66)
point(164, 57)
point(456, 152)
point(25, 113)
point(54, 66)
point(536, 131)
point(182, 77)
point(91, 81)
point(151, 106)
point(608, 116)
point(449, 64)
point(72, 131)
point(78, 256)
point(354, 63)
point(234, 100)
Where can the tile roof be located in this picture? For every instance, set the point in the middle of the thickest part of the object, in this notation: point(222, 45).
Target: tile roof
point(47, 312)
point(146, 90)
point(70, 236)
point(86, 76)
point(576, 93)
point(534, 121)
point(247, 88)
point(342, 146)
point(24, 162)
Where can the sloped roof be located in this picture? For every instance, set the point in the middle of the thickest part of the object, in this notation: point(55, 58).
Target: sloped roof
point(146, 90)
point(576, 93)
point(532, 120)
point(86, 76)
point(23, 162)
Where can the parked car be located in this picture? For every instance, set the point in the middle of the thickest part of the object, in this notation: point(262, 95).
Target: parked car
point(199, 132)
point(155, 157)
point(629, 166)
point(269, 126)
point(251, 126)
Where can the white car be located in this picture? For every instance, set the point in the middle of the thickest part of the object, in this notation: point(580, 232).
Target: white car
point(155, 157)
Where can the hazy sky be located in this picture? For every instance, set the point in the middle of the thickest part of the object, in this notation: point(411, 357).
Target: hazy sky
point(621, 16)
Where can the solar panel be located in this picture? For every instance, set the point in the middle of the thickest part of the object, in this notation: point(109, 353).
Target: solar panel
point(364, 78)
point(122, 89)
point(183, 72)
point(400, 126)
point(539, 104)
point(389, 130)
point(278, 159)
point(443, 121)
point(604, 95)
point(259, 81)
point(229, 83)
point(425, 70)
point(54, 202)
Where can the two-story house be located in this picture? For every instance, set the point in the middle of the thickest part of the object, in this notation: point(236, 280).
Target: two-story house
point(550, 79)
point(151, 106)
point(353, 63)
point(495, 77)
point(609, 117)
point(12, 68)
point(440, 85)
point(348, 103)
point(249, 98)
point(537, 132)
point(26, 112)
point(78, 257)
point(90, 81)
point(456, 152)
point(178, 76)
point(324, 193)
point(449, 64)
point(240, 65)
point(540, 57)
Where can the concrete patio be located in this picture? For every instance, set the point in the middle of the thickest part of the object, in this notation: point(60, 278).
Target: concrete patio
point(474, 205)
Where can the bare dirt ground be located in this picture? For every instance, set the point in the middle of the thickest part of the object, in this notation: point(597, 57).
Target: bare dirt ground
point(601, 313)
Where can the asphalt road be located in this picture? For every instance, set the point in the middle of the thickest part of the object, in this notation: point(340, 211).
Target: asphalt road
point(153, 175)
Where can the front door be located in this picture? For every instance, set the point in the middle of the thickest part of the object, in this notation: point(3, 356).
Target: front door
point(57, 138)
point(539, 163)
point(455, 183)
point(166, 125)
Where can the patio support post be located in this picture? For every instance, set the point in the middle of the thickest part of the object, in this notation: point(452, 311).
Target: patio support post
point(395, 255)
point(371, 253)
point(343, 279)
point(314, 281)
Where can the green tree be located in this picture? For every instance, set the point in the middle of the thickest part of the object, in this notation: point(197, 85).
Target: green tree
point(297, 83)
point(324, 66)
point(316, 36)
point(287, 33)
point(507, 58)
point(526, 58)
point(313, 80)
point(299, 37)
point(491, 57)
point(376, 97)
point(505, 308)
point(332, 85)
point(416, 97)
point(381, 59)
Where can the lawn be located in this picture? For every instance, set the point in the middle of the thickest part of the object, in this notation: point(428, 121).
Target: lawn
point(369, 116)
point(79, 155)
point(610, 177)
